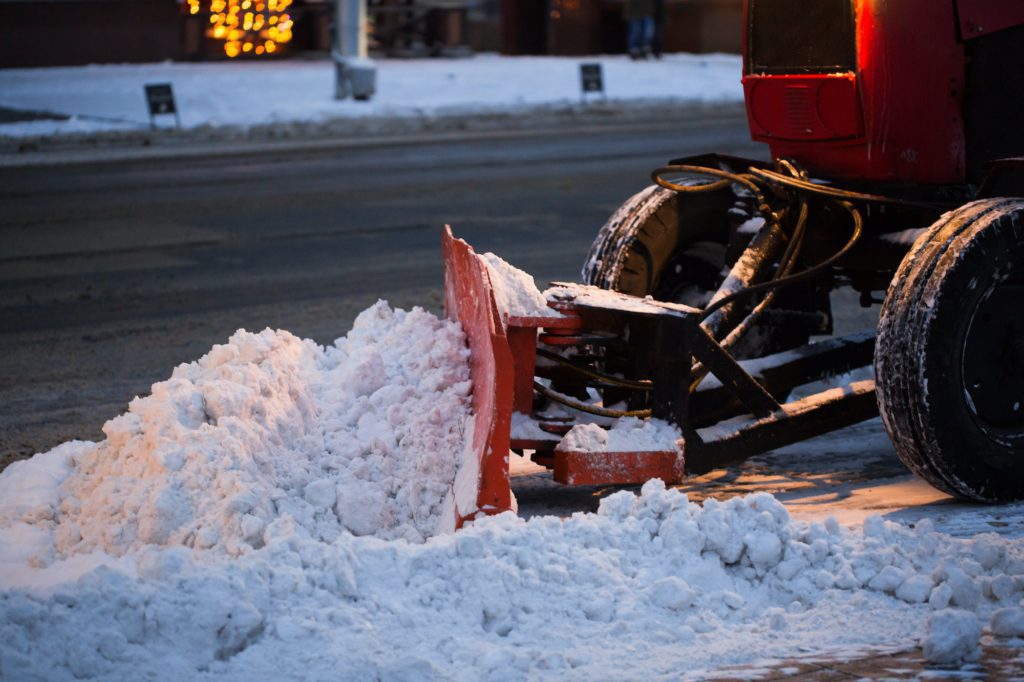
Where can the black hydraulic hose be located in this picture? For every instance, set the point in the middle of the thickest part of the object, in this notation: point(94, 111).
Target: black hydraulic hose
point(858, 229)
point(725, 178)
point(594, 374)
point(845, 194)
point(585, 407)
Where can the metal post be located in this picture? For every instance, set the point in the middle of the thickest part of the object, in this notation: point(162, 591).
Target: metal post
point(355, 74)
point(352, 28)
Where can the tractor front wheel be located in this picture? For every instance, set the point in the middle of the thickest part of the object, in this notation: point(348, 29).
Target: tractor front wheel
point(949, 361)
point(663, 244)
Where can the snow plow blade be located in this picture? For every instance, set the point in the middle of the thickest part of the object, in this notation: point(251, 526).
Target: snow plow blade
point(482, 484)
point(530, 363)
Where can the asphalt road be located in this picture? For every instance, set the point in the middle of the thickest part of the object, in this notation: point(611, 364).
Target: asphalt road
point(112, 273)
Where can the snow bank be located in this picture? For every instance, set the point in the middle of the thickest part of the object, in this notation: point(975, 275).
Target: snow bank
point(269, 511)
point(287, 92)
point(682, 588)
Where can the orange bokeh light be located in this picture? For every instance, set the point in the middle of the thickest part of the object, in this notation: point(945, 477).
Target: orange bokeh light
point(246, 27)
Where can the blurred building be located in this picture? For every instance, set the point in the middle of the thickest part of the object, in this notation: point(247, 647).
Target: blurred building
point(580, 27)
point(58, 32)
point(66, 32)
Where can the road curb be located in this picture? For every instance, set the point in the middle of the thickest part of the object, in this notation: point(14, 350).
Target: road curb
point(116, 146)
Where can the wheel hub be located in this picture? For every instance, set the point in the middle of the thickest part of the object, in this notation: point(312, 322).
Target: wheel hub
point(993, 360)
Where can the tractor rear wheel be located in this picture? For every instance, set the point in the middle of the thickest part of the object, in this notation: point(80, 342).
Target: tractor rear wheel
point(949, 361)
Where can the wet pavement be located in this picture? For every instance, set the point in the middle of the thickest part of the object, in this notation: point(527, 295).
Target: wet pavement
point(999, 660)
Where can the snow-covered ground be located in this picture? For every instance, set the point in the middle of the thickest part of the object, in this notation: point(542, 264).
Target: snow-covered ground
point(283, 93)
point(275, 509)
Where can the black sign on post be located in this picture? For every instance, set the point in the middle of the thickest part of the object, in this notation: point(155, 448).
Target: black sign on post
point(591, 79)
point(160, 99)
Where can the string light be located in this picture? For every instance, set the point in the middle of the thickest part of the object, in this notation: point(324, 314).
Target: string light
point(247, 26)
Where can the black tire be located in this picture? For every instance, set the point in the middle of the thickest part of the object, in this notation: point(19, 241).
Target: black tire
point(949, 361)
point(664, 244)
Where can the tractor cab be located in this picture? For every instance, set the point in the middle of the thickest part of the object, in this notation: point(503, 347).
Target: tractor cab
point(914, 91)
point(858, 90)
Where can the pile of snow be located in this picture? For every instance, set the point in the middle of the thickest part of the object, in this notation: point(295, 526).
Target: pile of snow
point(270, 511)
point(263, 430)
point(683, 588)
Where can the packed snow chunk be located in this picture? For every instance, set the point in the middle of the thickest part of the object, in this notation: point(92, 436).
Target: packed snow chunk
point(764, 549)
point(1008, 622)
point(641, 435)
point(584, 438)
point(515, 291)
point(628, 434)
point(671, 593)
point(321, 493)
point(1001, 587)
point(363, 510)
point(964, 591)
point(988, 551)
point(915, 589)
point(889, 579)
point(953, 635)
point(361, 437)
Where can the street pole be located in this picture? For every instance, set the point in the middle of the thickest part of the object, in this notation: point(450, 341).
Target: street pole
point(355, 73)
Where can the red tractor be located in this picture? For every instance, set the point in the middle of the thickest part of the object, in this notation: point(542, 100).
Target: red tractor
point(893, 125)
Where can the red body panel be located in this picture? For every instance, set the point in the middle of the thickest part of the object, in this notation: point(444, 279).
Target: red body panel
point(981, 17)
point(907, 91)
point(616, 468)
point(800, 107)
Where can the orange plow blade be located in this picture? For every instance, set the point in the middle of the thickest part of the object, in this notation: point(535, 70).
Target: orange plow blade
point(482, 485)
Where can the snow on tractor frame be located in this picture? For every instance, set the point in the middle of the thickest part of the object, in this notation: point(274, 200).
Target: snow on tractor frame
point(893, 126)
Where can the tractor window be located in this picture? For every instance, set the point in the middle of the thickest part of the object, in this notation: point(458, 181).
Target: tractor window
point(801, 36)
